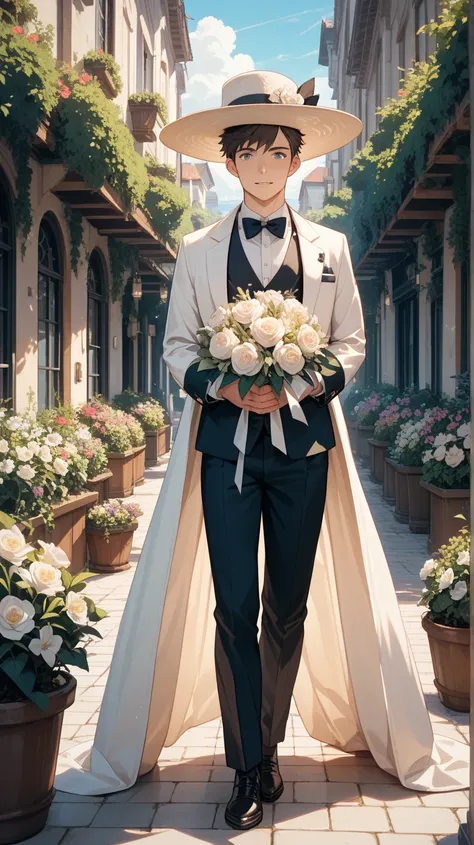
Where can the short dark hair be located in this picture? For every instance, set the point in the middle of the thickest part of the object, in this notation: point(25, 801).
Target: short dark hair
point(236, 138)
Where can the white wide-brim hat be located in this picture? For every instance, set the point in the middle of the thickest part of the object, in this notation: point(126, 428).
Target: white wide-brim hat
point(261, 96)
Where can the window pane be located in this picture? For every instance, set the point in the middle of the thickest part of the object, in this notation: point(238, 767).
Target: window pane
point(42, 389)
point(42, 345)
point(41, 297)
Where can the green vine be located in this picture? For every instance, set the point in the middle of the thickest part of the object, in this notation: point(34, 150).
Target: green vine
point(107, 61)
point(19, 11)
point(432, 242)
point(75, 224)
point(165, 204)
point(159, 168)
point(121, 258)
point(459, 221)
point(336, 211)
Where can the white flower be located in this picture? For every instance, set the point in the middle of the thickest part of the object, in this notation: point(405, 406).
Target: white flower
point(54, 439)
point(309, 340)
point(4, 447)
point(7, 466)
point(54, 555)
point(289, 357)
point(24, 454)
point(16, 618)
point(47, 644)
point(427, 569)
point(458, 591)
point(44, 577)
point(454, 457)
point(440, 440)
point(60, 466)
point(294, 310)
point(71, 448)
point(446, 579)
point(34, 447)
point(76, 608)
point(427, 456)
point(222, 344)
point(13, 546)
point(83, 433)
point(267, 331)
point(464, 558)
point(246, 359)
point(269, 296)
point(464, 430)
point(26, 472)
point(247, 310)
point(287, 96)
point(217, 318)
point(14, 423)
point(467, 442)
point(45, 454)
point(439, 453)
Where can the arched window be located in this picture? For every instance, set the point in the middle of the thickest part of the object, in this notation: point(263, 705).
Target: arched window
point(50, 311)
point(7, 288)
point(97, 327)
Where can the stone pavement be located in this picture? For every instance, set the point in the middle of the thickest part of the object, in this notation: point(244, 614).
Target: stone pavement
point(330, 798)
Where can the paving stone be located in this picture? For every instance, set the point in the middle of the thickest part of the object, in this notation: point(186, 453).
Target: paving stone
point(144, 793)
point(327, 793)
point(370, 819)
point(124, 815)
point(301, 817)
point(445, 799)
point(303, 773)
point(184, 816)
point(179, 773)
point(208, 793)
point(72, 814)
point(48, 836)
point(289, 837)
point(405, 839)
point(423, 820)
point(374, 794)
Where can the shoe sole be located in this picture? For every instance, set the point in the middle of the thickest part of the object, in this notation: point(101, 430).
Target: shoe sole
point(243, 825)
point(274, 796)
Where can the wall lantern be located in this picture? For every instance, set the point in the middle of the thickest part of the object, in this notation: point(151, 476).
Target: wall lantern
point(387, 300)
point(136, 286)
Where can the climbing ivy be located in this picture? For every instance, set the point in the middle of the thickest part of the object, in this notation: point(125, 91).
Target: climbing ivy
point(336, 211)
point(459, 221)
point(122, 257)
point(431, 242)
point(75, 223)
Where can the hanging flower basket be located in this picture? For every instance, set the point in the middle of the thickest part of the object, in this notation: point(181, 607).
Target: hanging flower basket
point(145, 109)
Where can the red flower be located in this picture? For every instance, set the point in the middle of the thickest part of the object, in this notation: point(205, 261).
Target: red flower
point(18, 30)
point(34, 38)
point(100, 52)
point(401, 92)
point(84, 78)
point(64, 455)
point(64, 92)
point(61, 420)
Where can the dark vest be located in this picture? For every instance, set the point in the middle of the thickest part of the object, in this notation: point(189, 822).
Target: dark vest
point(219, 419)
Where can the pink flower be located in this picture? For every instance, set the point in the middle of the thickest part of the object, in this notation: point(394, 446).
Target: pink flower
point(34, 37)
point(38, 492)
point(65, 92)
point(18, 30)
point(84, 78)
point(418, 413)
point(430, 439)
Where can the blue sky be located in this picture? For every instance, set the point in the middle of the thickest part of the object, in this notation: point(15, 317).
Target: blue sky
point(227, 39)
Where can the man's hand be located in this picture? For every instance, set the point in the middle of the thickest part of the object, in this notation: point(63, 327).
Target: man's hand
point(260, 400)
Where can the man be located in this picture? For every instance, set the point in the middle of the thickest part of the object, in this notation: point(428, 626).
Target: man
point(264, 129)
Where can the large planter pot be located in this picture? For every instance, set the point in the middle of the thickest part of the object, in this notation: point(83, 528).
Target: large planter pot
point(168, 431)
point(100, 485)
point(29, 745)
point(364, 434)
point(402, 472)
point(121, 465)
point(144, 116)
point(444, 507)
point(103, 77)
point(139, 465)
point(377, 452)
point(157, 444)
point(110, 553)
point(418, 502)
point(450, 655)
point(388, 489)
point(69, 530)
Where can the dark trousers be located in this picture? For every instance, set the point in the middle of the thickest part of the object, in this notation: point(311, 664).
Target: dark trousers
point(256, 679)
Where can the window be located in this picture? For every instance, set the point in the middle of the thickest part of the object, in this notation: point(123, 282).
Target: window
point(359, 114)
point(97, 328)
point(50, 295)
point(405, 298)
point(465, 318)
point(402, 52)
point(437, 321)
point(104, 32)
point(421, 38)
point(7, 298)
point(378, 83)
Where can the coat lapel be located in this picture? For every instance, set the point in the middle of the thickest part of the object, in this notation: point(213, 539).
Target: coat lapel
point(217, 255)
point(312, 266)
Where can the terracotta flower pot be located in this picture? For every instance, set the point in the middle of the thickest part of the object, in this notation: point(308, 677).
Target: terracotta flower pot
point(377, 451)
point(450, 654)
point(144, 117)
point(157, 444)
point(364, 433)
point(121, 465)
point(388, 490)
point(139, 465)
point(444, 507)
point(109, 553)
point(29, 745)
point(100, 484)
point(103, 77)
point(418, 503)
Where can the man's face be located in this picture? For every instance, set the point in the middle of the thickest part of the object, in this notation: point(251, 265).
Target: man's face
point(263, 173)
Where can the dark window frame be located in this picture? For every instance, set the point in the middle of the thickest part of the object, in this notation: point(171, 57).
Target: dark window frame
point(436, 320)
point(421, 40)
point(98, 300)
point(8, 308)
point(52, 279)
point(104, 28)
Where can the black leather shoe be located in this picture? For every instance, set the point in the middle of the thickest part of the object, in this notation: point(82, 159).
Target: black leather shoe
point(272, 785)
point(244, 809)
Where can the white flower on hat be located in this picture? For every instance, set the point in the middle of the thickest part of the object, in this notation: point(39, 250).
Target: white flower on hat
point(47, 645)
point(287, 96)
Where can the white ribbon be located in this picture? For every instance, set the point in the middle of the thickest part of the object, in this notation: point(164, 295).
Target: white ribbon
point(293, 393)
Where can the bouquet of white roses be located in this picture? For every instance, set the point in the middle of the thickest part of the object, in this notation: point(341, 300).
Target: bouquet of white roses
point(266, 339)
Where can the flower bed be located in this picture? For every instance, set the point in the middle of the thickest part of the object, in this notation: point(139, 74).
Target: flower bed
point(153, 419)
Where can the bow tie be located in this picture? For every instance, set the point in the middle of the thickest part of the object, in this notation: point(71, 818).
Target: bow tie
point(253, 227)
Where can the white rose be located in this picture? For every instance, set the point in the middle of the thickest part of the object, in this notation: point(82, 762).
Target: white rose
point(439, 453)
point(247, 310)
point(440, 440)
point(16, 618)
point(4, 447)
point(44, 577)
point(217, 318)
point(34, 447)
point(309, 340)
point(76, 608)
point(14, 423)
point(267, 331)
point(246, 359)
point(454, 457)
point(7, 466)
point(45, 454)
point(458, 591)
point(47, 645)
point(295, 310)
point(54, 439)
point(464, 430)
point(427, 456)
point(286, 95)
point(71, 448)
point(222, 344)
point(446, 579)
point(269, 296)
point(289, 357)
point(60, 466)
point(24, 454)
point(83, 433)
point(467, 442)
point(464, 558)
point(54, 555)
point(427, 569)
point(25, 472)
point(13, 546)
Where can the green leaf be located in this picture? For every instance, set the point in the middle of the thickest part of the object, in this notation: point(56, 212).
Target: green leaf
point(82, 577)
point(66, 578)
point(78, 657)
point(276, 381)
point(49, 616)
point(93, 632)
point(24, 678)
point(228, 379)
point(204, 353)
point(245, 383)
point(5, 648)
point(56, 602)
point(206, 364)
point(7, 521)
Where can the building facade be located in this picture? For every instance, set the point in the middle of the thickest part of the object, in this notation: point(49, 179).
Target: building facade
point(313, 190)
point(418, 332)
point(61, 336)
point(197, 181)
